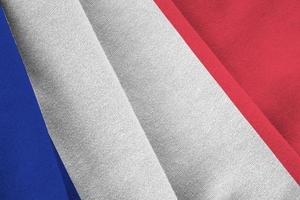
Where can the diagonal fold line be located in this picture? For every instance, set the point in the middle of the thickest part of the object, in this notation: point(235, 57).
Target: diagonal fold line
point(205, 145)
point(89, 118)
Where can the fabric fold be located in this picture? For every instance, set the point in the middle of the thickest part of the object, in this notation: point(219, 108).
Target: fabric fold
point(178, 131)
point(205, 145)
point(258, 44)
point(269, 134)
point(87, 113)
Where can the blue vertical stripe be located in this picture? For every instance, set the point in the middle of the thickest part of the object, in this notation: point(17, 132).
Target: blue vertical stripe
point(30, 168)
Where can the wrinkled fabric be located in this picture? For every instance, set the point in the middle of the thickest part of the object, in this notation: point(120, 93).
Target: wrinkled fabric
point(132, 111)
point(89, 118)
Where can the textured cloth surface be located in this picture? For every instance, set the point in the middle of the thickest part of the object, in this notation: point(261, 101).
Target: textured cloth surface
point(28, 167)
point(87, 114)
point(205, 146)
point(268, 133)
point(258, 42)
